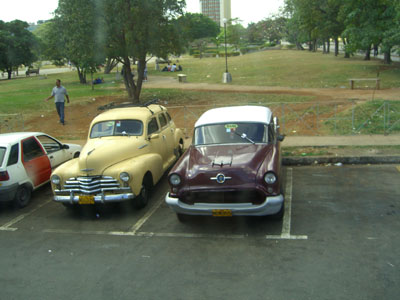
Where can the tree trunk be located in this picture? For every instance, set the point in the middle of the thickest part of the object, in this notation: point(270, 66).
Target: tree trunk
point(387, 58)
point(336, 46)
point(375, 50)
point(9, 71)
point(299, 46)
point(130, 85)
point(328, 50)
point(368, 53)
point(111, 63)
point(324, 48)
point(82, 75)
point(346, 53)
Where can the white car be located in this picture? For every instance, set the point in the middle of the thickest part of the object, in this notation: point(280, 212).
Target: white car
point(26, 162)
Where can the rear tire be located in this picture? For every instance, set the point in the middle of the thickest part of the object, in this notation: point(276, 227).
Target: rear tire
point(23, 196)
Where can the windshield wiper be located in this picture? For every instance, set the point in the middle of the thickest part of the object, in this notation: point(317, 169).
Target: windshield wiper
point(244, 136)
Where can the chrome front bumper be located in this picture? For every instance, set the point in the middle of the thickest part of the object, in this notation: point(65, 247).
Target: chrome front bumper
point(270, 206)
point(99, 198)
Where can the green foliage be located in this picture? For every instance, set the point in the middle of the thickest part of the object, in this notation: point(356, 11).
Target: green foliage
point(16, 46)
point(78, 40)
point(196, 26)
point(135, 29)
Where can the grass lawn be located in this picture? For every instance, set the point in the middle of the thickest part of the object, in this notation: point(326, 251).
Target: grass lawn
point(287, 68)
point(26, 94)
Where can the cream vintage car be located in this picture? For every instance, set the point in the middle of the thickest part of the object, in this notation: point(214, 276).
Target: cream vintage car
point(127, 152)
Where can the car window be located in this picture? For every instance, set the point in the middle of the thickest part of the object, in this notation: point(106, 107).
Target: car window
point(2, 153)
point(168, 117)
point(31, 149)
point(49, 144)
point(152, 127)
point(271, 132)
point(231, 133)
point(163, 120)
point(117, 127)
point(13, 157)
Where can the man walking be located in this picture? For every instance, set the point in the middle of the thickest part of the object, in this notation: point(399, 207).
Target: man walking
point(58, 93)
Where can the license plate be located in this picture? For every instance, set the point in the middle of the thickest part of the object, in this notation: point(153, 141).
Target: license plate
point(222, 213)
point(86, 199)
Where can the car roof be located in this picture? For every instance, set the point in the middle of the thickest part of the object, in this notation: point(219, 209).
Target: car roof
point(11, 138)
point(253, 114)
point(137, 113)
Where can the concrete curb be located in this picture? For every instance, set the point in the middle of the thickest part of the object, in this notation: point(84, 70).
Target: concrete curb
point(346, 160)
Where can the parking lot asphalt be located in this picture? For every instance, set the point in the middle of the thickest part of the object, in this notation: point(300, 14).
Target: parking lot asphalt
point(338, 240)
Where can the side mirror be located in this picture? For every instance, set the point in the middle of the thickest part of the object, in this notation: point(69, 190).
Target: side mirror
point(65, 146)
point(154, 136)
point(280, 138)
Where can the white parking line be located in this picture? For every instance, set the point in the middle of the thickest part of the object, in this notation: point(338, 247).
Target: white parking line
point(7, 226)
point(288, 203)
point(287, 217)
point(143, 219)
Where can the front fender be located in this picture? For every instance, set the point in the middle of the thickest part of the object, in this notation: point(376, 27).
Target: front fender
point(137, 168)
point(179, 136)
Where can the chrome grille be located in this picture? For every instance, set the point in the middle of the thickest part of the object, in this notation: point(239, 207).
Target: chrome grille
point(91, 185)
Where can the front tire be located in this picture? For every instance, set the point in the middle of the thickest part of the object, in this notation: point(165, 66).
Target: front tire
point(279, 215)
point(143, 198)
point(23, 196)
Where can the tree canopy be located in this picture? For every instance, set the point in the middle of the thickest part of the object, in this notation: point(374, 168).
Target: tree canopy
point(16, 46)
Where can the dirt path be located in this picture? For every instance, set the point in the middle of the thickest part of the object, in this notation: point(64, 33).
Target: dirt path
point(79, 116)
point(321, 94)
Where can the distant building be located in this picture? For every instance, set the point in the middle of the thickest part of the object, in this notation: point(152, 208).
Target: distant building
point(217, 10)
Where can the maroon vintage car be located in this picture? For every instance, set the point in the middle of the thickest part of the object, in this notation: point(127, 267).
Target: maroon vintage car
point(233, 166)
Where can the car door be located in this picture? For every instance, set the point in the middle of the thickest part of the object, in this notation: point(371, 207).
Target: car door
point(56, 154)
point(156, 140)
point(35, 161)
point(168, 137)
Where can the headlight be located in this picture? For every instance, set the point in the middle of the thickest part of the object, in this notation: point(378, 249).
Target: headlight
point(124, 177)
point(55, 179)
point(175, 179)
point(270, 178)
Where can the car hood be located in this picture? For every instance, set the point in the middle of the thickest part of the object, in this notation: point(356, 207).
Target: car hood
point(239, 162)
point(101, 153)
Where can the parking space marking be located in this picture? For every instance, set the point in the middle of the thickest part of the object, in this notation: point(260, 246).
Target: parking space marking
point(7, 226)
point(398, 168)
point(288, 204)
point(287, 217)
point(143, 219)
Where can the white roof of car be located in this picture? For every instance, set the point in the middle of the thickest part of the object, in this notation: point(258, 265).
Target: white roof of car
point(10, 138)
point(253, 114)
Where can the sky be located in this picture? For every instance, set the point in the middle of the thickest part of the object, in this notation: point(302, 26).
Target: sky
point(33, 10)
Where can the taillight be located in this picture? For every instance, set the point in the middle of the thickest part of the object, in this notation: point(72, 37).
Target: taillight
point(4, 176)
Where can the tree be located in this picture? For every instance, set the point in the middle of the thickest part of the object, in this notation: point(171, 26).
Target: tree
point(235, 33)
point(75, 23)
point(16, 46)
point(368, 23)
point(137, 28)
point(273, 29)
point(197, 29)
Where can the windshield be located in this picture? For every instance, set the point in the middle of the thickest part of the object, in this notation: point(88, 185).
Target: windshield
point(2, 153)
point(232, 133)
point(117, 127)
